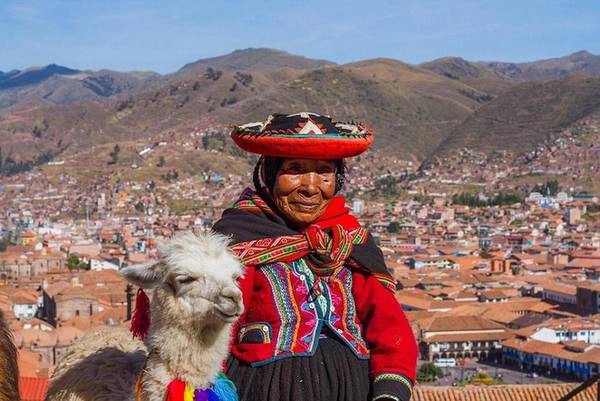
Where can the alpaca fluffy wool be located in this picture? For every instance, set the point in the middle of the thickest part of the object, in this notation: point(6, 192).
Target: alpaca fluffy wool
point(109, 357)
point(193, 282)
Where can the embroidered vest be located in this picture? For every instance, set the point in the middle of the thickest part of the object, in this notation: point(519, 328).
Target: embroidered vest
point(298, 307)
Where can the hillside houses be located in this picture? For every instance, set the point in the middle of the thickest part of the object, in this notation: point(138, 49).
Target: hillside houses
point(474, 280)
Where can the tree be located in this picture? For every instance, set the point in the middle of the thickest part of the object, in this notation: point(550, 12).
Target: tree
point(205, 142)
point(73, 262)
point(161, 161)
point(393, 227)
point(550, 188)
point(10, 166)
point(428, 372)
point(483, 378)
point(213, 74)
point(171, 175)
point(421, 198)
point(36, 132)
point(114, 155)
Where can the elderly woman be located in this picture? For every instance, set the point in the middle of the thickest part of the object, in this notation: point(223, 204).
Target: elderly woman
point(321, 321)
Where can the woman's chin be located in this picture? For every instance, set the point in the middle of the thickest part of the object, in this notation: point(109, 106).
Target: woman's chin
point(303, 219)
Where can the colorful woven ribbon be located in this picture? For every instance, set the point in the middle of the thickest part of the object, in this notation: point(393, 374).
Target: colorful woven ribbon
point(329, 252)
point(222, 390)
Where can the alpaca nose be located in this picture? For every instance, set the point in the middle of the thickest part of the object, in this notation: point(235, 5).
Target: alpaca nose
point(232, 292)
point(231, 301)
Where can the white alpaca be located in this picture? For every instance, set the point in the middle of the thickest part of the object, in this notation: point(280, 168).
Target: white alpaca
point(194, 304)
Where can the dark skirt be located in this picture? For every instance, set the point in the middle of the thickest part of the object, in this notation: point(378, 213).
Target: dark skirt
point(333, 373)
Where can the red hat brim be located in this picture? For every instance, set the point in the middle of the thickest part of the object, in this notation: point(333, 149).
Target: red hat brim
point(304, 146)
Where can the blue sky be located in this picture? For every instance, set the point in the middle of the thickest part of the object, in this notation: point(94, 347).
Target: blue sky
point(164, 35)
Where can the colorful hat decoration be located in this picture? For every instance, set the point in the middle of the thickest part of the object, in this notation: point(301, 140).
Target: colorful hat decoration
point(303, 135)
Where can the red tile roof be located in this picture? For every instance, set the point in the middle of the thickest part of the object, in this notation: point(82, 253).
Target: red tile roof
point(534, 392)
point(33, 388)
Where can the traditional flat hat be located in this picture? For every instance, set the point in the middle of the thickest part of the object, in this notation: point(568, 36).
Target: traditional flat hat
point(303, 135)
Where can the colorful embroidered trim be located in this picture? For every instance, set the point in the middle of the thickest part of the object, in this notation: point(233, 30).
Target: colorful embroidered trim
point(395, 377)
point(287, 308)
point(349, 310)
point(263, 328)
point(303, 124)
point(387, 281)
point(336, 247)
point(253, 203)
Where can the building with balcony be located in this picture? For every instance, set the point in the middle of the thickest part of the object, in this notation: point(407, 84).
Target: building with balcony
point(461, 337)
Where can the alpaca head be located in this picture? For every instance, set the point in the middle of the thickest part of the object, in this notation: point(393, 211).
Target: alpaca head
point(194, 279)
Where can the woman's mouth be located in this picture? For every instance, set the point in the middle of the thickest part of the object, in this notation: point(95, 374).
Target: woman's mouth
point(305, 207)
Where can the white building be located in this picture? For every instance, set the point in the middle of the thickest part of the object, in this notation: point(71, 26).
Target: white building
point(438, 262)
point(358, 206)
point(96, 264)
point(556, 331)
point(24, 308)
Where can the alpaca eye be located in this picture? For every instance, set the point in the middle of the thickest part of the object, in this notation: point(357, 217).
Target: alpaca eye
point(185, 279)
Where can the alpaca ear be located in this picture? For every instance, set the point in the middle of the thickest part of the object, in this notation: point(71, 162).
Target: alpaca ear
point(144, 275)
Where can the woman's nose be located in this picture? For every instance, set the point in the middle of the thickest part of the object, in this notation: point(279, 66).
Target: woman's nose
point(310, 184)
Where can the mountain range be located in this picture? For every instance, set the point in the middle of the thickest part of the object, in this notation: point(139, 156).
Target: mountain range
point(55, 84)
point(417, 111)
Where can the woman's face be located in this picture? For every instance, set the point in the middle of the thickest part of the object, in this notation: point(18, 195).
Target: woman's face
point(303, 189)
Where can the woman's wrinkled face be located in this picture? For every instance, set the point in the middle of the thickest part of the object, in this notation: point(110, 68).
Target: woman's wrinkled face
point(303, 189)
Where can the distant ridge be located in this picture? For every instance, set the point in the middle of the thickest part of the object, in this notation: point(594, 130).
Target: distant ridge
point(32, 76)
point(579, 63)
point(474, 74)
point(256, 59)
point(55, 84)
point(460, 69)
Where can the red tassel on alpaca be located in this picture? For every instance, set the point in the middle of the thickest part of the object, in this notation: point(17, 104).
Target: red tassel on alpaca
point(140, 322)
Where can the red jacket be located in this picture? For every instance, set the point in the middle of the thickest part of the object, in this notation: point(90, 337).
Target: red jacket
point(281, 321)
